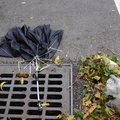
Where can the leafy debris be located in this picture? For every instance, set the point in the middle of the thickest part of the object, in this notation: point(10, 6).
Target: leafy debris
point(58, 61)
point(22, 76)
point(96, 70)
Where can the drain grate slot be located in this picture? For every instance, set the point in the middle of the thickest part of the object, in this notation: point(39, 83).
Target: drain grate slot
point(34, 96)
point(3, 103)
point(58, 105)
point(55, 76)
point(54, 82)
point(19, 102)
point(58, 97)
point(17, 82)
point(15, 111)
point(2, 111)
point(18, 96)
point(19, 89)
point(34, 89)
point(40, 75)
point(3, 95)
point(50, 89)
point(6, 88)
point(53, 113)
point(41, 82)
point(6, 75)
point(34, 112)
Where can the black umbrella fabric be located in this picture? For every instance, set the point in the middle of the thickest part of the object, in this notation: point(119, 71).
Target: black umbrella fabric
point(26, 43)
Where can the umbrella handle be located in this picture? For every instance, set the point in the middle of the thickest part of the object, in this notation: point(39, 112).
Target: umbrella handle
point(39, 105)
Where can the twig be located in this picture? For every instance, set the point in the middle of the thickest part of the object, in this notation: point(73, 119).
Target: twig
point(73, 83)
point(113, 52)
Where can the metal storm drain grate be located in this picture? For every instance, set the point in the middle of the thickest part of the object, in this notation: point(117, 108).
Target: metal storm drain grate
point(19, 102)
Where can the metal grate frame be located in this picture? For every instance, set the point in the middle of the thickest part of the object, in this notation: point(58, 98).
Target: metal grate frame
point(19, 102)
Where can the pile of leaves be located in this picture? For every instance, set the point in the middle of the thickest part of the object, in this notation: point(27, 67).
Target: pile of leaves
point(96, 70)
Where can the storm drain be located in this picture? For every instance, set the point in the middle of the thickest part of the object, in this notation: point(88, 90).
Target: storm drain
point(19, 102)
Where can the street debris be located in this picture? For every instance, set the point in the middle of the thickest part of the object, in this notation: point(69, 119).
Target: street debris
point(97, 70)
point(23, 3)
point(58, 61)
point(22, 76)
point(1, 85)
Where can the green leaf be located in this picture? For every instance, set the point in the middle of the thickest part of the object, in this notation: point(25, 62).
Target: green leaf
point(79, 113)
point(83, 58)
point(114, 58)
point(94, 115)
point(70, 117)
point(107, 71)
point(106, 60)
point(78, 118)
point(59, 116)
point(96, 78)
point(40, 66)
point(1, 118)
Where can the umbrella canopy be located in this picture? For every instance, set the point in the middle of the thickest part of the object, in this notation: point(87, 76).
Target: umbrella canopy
point(26, 43)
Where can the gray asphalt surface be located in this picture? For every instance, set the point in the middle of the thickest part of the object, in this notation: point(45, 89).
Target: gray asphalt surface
point(89, 25)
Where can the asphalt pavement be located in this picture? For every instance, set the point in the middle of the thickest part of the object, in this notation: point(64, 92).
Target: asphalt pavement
point(89, 25)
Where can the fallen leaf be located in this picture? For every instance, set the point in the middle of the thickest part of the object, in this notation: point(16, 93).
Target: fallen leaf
point(99, 52)
point(59, 116)
point(22, 75)
point(100, 86)
point(53, 70)
point(79, 76)
point(22, 80)
point(70, 117)
point(94, 105)
point(112, 116)
point(86, 109)
point(58, 61)
point(98, 106)
point(23, 3)
point(97, 95)
point(96, 77)
point(88, 103)
point(1, 85)
point(45, 104)
point(78, 112)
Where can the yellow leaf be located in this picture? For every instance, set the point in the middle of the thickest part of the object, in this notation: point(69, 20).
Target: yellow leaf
point(85, 85)
point(85, 99)
point(97, 95)
point(21, 80)
point(59, 116)
point(88, 103)
point(1, 85)
point(23, 3)
point(94, 105)
point(98, 106)
point(99, 52)
point(70, 117)
point(45, 104)
point(58, 61)
point(22, 75)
